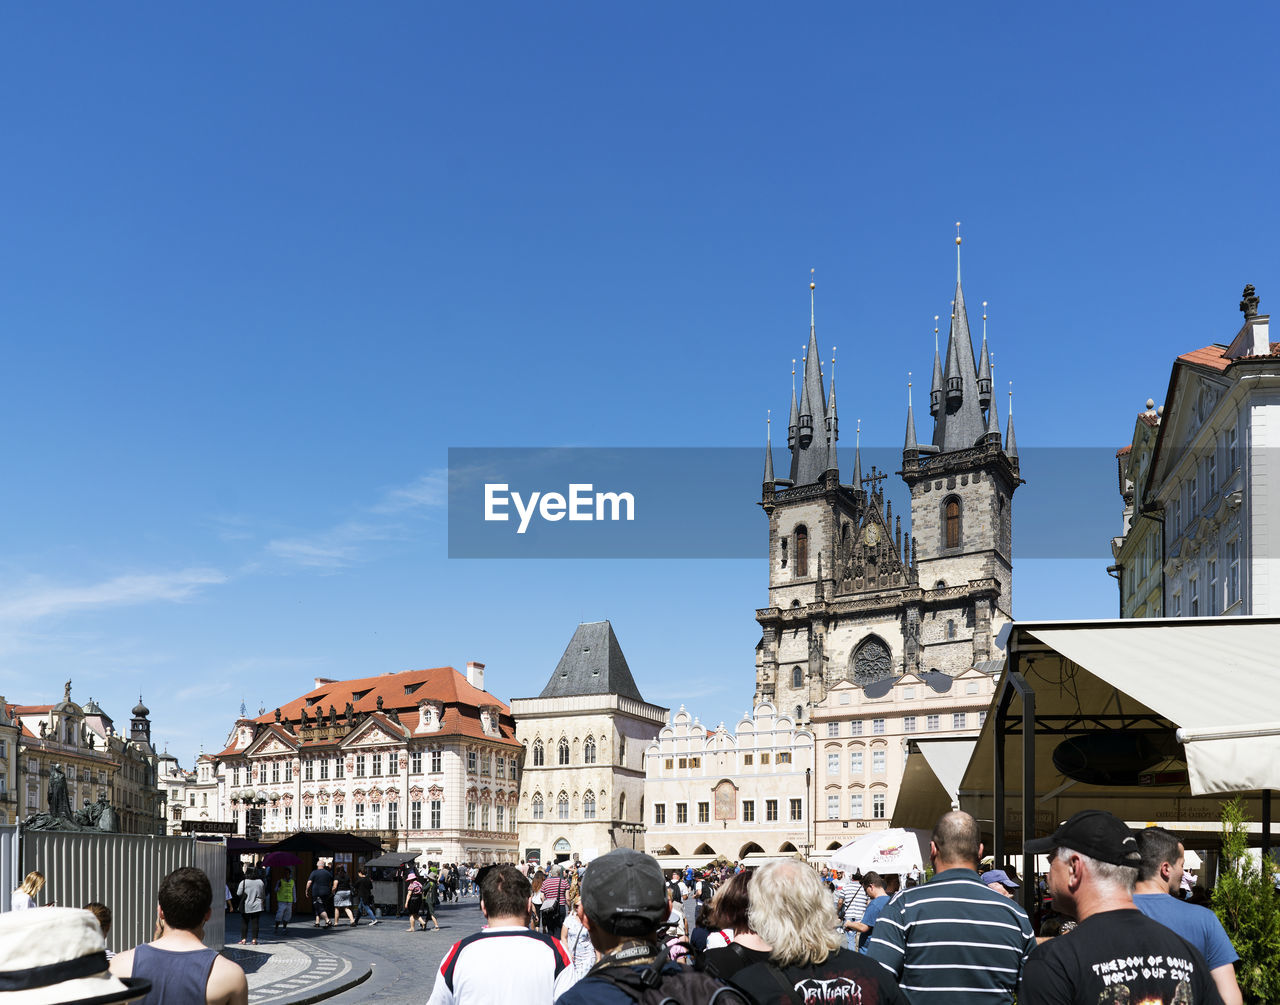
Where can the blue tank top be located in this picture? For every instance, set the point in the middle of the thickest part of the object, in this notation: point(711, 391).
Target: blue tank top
point(177, 978)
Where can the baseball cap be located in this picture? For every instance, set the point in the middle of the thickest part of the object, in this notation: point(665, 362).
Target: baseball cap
point(1095, 833)
point(998, 876)
point(623, 891)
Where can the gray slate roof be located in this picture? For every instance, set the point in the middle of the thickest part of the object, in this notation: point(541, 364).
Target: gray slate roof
point(592, 664)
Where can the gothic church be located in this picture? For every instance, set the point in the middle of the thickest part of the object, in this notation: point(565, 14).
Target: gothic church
point(851, 596)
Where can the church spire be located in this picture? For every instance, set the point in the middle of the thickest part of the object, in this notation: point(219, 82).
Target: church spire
point(993, 420)
point(768, 449)
point(1010, 444)
point(809, 453)
point(910, 446)
point(833, 424)
point(857, 457)
point(984, 365)
point(959, 422)
point(935, 392)
point(793, 425)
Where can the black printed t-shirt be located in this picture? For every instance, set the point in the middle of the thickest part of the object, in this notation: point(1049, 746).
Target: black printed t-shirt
point(848, 978)
point(1117, 958)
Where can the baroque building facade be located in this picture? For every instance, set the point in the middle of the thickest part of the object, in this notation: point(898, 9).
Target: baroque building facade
point(851, 596)
point(97, 760)
point(745, 795)
point(1202, 485)
point(584, 736)
point(422, 760)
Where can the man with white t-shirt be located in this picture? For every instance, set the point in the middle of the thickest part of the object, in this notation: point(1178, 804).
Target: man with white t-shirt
point(504, 961)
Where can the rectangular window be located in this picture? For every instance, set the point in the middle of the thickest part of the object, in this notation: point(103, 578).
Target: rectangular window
point(500, 771)
point(288, 815)
point(1193, 498)
point(795, 809)
point(908, 723)
point(415, 762)
point(1195, 596)
point(833, 729)
point(695, 762)
point(1233, 448)
point(308, 769)
point(764, 758)
point(877, 727)
point(307, 815)
point(855, 805)
point(682, 813)
point(1177, 517)
point(659, 813)
point(833, 764)
point(748, 811)
point(878, 762)
point(1211, 597)
point(932, 723)
point(684, 762)
point(235, 776)
point(771, 809)
point(957, 720)
point(359, 765)
point(393, 816)
point(435, 814)
point(877, 806)
point(359, 814)
point(855, 727)
point(833, 806)
point(339, 768)
point(484, 817)
point(908, 693)
point(982, 718)
point(415, 814)
point(1211, 474)
point(747, 759)
point(324, 817)
point(471, 816)
point(337, 814)
point(324, 769)
point(377, 765)
point(484, 765)
point(437, 762)
point(262, 774)
point(471, 762)
point(275, 771)
point(537, 808)
point(1233, 571)
point(855, 762)
point(704, 813)
point(784, 757)
point(1177, 604)
point(499, 820)
point(669, 763)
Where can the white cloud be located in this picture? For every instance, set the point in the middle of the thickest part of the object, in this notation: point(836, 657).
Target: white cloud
point(429, 491)
point(40, 601)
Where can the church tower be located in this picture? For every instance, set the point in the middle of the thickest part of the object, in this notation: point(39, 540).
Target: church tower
point(852, 597)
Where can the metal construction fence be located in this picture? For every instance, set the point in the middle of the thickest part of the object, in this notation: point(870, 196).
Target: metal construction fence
point(122, 871)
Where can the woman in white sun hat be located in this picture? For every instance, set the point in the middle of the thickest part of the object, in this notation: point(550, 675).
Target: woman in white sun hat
point(57, 956)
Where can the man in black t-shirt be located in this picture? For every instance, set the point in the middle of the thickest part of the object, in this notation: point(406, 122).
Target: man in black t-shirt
point(1116, 955)
point(320, 890)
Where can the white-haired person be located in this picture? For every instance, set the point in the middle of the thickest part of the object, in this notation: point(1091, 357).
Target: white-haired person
point(790, 910)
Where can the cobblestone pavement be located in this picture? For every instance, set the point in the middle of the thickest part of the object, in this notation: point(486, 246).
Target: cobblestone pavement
point(368, 963)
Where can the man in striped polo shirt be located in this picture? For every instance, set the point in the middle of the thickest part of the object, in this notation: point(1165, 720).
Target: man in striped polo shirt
point(953, 940)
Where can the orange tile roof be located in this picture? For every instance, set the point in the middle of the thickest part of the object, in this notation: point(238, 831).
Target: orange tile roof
point(1210, 356)
point(1124, 450)
point(31, 709)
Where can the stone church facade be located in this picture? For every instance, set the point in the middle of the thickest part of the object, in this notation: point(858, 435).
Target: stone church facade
point(852, 596)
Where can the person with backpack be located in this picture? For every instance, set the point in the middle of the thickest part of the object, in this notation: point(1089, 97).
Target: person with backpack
point(625, 909)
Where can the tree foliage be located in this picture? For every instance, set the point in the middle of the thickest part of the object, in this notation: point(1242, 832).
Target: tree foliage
point(1248, 906)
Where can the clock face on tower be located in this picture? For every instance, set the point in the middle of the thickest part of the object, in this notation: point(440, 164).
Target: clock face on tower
point(871, 535)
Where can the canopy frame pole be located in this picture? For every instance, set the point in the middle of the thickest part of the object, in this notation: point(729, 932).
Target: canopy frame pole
point(1266, 825)
point(1015, 685)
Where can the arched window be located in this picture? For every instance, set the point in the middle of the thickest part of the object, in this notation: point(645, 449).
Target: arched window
point(622, 806)
point(589, 806)
point(797, 677)
point(589, 751)
point(951, 522)
point(951, 629)
point(562, 806)
point(537, 806)
point(802, 551)
point(538, 756)
point(564, 751)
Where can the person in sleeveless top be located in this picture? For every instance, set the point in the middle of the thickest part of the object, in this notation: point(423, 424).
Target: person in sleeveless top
point(181, 969)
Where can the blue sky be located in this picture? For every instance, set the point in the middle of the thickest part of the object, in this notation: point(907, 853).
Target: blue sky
point(262, 266)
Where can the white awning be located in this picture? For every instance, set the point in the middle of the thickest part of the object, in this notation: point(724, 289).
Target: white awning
point(1218, 672)
point(931, 781)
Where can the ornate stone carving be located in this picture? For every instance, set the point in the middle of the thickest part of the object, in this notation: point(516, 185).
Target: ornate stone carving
point(871, 662)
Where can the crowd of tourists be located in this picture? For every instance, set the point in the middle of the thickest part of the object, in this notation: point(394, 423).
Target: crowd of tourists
point(1117, 931)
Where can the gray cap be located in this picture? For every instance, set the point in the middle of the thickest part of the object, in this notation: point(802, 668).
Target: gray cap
point(624, 893)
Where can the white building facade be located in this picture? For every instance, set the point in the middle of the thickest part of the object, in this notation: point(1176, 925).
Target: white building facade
point(744, 795)
point(584, 736)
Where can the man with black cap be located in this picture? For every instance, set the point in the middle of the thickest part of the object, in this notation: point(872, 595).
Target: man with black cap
point(1116, 953)
point(624, 900)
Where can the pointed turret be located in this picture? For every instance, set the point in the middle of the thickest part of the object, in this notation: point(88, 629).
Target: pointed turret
point(984, 365)
point(935, 392)
point(809, 454)
point(768, 452)
point(857, 458)
point(993, 421)
point(833, 424)
point(794, 425)
point(1010, 444)
point(910, 446)
point(959, 424)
